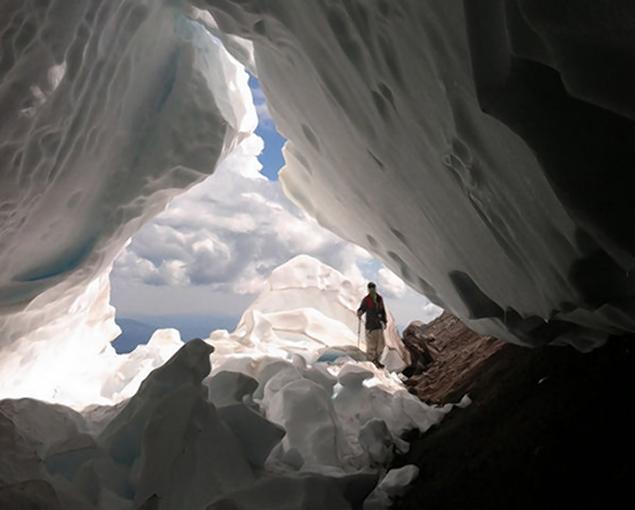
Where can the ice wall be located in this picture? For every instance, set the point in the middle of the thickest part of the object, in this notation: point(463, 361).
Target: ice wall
point(481, 149)
point(108, 109)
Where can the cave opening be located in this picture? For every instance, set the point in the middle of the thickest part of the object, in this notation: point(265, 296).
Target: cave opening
point(198, 265)
point(154, 290)
point(287, 286)
point(465, 146)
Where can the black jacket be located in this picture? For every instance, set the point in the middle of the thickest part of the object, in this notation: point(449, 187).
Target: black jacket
point(375, 312)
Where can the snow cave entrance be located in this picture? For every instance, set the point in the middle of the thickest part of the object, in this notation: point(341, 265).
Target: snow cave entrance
point(135, 316)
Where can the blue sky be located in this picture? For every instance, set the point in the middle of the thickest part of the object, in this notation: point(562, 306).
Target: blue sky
point(271, 156)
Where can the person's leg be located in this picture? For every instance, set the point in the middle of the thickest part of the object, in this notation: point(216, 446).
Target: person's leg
point(371, 344)
point(381, 343)
point(379, 347)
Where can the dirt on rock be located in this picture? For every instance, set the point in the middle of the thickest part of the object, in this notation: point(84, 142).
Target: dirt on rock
point(549, 428)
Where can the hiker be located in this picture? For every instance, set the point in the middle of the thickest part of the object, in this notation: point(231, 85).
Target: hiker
point(373, 306)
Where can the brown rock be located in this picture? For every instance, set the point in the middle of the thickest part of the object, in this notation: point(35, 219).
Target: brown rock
point(456, 353)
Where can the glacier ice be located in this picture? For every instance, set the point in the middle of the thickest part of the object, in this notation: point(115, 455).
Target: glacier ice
point(305, 306)
point(243, 421)
point(271, 415)
point(405, 136)
point(108, 110)
point(227, 388)
point(171, 447)
point(280, 349)
point(470, 147)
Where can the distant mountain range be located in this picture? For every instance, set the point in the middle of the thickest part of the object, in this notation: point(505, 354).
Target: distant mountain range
point(138, 330)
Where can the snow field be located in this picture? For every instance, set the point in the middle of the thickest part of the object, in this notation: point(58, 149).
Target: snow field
point(251, 418)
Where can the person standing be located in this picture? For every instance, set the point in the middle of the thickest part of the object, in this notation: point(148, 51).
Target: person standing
point(373, 306)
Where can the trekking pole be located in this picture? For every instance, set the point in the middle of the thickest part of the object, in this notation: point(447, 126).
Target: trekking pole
point(359, 329)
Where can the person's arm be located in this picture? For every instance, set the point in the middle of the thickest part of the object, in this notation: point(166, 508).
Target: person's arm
point(362, 308)
point(382, 312)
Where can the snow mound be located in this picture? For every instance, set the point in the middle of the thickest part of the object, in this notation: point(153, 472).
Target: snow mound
point(306, 307)
point(272, 415)
point(170, 447)
point(341, 414)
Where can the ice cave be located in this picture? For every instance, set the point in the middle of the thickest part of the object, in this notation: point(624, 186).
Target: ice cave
point(478, 148)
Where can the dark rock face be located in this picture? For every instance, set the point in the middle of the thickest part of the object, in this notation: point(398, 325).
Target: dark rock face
point(31, 495)
point(417, 344)
point(548, 428)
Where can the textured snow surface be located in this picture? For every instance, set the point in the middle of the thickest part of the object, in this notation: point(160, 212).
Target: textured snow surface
point(324, 407)
point(108, 110)
point(472, 147)
point(516, 219)
point(306, 307)
point(111, 108)
point(294, 435)
point(170, 446)
point(339, 416)
point(270, 427)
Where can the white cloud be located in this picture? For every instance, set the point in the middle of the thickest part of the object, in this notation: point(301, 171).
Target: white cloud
point(391, 283)
point(430, 311)
point(228, 233)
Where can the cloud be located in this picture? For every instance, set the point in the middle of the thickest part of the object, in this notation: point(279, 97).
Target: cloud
point(215, 245)
point(391, 283)
point(229, 233)
point(430, 311)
